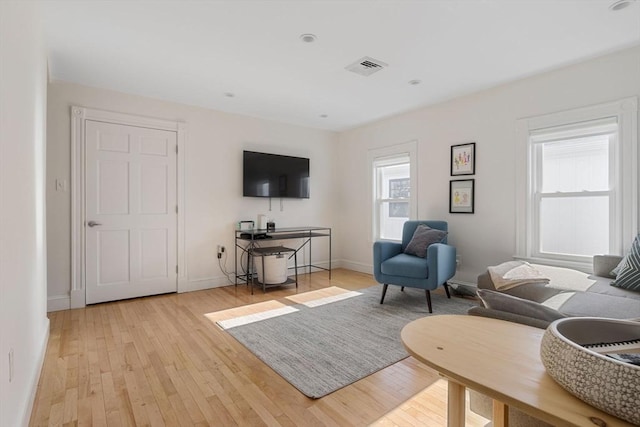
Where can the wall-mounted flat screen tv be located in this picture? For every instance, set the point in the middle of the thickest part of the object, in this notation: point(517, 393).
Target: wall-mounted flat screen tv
point(274, 175)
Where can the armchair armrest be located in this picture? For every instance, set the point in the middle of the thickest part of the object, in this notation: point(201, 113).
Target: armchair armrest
point(382, 251)
point(441, 260)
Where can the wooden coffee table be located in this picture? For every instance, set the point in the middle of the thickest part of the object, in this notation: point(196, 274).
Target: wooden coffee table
point(501, 360)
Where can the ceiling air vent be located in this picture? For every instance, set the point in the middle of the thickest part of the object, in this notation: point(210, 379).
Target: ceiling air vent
point(366, 66)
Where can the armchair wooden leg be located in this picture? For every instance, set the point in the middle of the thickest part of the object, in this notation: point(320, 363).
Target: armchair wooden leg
point(384, 291)
point(446, 289)
point(429, 301)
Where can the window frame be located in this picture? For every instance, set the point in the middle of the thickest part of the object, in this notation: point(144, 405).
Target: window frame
point(587, 129)
point(389, 154)
point(624, 227)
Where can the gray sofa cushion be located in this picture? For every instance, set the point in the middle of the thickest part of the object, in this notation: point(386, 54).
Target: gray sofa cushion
point(509, 317)
point(598, 305)
point(532, 291)
point(502, 302)
point(603, 286)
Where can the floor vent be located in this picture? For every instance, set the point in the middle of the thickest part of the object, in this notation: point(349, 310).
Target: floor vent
point(366, 66)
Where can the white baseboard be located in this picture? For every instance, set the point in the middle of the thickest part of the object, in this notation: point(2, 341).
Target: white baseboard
point(63, 302)
point(58, 302)
point(78, 298)
point(26, 416)
point(203, 283)
point(357, 266)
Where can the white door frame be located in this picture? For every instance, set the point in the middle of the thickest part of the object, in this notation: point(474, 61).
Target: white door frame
point(79, 116)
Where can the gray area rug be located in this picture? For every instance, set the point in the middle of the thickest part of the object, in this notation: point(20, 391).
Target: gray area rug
point(322, 349)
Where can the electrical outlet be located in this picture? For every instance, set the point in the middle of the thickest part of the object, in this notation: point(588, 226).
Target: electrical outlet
point(220, 251)
point(458, 260)
point(10, 364)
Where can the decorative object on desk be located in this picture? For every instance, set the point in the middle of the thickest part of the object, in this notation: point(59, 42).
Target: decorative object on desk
point(262, 222)
point(575, 352)
point(322, 345)
point(463, 159)
point(245, 225)
point(271, 226)
point(461, 196)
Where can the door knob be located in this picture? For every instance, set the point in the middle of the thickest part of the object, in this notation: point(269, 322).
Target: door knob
point(93, 223)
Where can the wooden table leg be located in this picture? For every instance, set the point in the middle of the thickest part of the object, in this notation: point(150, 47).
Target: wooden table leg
point(455, 404)
point(500, 414)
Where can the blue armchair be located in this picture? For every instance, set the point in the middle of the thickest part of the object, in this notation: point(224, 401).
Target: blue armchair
point(391, 266)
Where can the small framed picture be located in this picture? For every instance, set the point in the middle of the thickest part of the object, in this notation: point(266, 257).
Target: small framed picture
point(461, 196)
point(463, 159)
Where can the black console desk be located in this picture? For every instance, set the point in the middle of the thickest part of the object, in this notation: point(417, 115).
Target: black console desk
point(251, 243)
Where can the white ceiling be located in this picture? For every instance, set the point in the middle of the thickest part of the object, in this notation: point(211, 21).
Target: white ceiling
point(193, 52)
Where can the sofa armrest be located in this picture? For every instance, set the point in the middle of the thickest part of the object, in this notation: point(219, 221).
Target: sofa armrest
point(509, 317)
point(603, 264)
point(485, 282)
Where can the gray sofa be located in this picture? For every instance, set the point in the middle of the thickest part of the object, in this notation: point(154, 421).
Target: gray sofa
point(571, 293)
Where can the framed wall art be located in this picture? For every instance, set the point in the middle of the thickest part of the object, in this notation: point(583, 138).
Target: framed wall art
point(461, 196)
point(463, 159)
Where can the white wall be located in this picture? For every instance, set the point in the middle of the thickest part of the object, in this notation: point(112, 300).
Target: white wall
point(213, 165)
point(489, 119)
point(24, 325)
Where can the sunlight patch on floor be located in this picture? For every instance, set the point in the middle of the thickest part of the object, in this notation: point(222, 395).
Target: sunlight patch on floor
point(246, 310)
point(263, 310)
point(306, 297)
point(427, 408)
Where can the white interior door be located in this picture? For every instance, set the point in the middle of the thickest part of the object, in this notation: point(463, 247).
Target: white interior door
point(131, 219)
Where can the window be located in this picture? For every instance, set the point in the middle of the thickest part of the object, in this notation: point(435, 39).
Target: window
point(581, 180)
point(574, 192)
point(392, 170)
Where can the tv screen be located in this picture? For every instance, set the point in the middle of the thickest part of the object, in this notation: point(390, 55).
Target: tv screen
point(273, 175)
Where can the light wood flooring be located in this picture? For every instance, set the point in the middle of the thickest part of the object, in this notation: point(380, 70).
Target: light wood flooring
point(159, 361)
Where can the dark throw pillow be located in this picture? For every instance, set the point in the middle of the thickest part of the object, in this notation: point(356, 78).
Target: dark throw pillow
point(422, 238)
point(628, 276)
point(510, 304)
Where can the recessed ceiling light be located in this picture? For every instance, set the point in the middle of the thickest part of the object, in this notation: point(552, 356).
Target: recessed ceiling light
point(229, 94)
point(324, 116)
point(620, 4)
point(308, 38)
point(415, 82)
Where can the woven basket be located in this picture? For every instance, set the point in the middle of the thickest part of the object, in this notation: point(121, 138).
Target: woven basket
point(608, 384)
